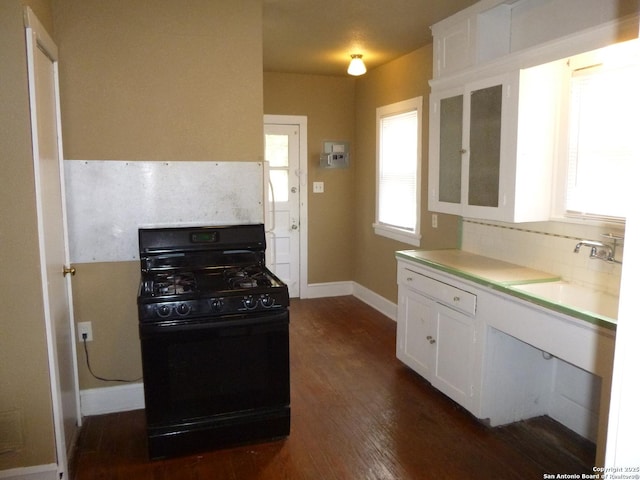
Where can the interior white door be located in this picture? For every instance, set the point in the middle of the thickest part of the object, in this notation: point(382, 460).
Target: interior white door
point(56, 285)
point(282, 155)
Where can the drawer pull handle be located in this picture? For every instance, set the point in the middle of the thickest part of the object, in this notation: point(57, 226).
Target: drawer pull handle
point(456, 299)
point(431, 339)
point(409, 279)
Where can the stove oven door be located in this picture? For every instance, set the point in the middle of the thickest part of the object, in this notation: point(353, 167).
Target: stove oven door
point(201, 379)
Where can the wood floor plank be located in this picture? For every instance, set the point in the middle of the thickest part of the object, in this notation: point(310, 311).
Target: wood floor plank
point(357, 413)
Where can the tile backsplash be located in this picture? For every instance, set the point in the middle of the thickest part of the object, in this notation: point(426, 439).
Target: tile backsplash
point(547, 246)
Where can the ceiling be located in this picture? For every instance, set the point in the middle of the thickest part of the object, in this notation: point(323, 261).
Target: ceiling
point(319, 36)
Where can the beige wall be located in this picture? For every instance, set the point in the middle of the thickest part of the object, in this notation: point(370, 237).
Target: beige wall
point(160, 79)
point(105, 295)
point(151, 80)
point(43, 10)
point(330, 115)
point(25, 400)
point(404, 78)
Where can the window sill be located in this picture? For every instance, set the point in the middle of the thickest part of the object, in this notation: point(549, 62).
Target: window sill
point(397, 234)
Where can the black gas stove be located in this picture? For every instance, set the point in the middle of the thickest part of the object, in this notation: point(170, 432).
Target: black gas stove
point(213, 324)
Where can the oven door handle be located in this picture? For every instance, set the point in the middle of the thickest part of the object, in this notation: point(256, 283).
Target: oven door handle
point(233, 326)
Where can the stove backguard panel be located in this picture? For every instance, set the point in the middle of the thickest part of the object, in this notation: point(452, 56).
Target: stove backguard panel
point(107, 201)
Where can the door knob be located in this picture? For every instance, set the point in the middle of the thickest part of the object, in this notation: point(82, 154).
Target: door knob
point(66, 270)
point(294, 189)
point(294, 227)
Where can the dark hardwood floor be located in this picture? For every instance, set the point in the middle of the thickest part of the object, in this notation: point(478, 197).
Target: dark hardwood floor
point(357, 413)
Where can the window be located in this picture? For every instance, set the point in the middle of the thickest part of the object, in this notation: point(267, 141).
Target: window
point(600, 146)
point(399, 153)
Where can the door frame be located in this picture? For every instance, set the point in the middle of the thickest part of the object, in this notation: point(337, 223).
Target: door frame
point(38, 38)
point(301, 122)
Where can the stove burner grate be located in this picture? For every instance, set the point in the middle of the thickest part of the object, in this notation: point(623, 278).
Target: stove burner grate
point(247, 277)
point(174, 283)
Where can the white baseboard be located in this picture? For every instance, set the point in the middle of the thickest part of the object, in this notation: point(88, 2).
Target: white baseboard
point(376, 301)
point(339, 289)
point(121, 398)
point(37, 472)
point(331, 289)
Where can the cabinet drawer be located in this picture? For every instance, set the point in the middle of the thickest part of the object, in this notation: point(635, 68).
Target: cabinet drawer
point(441, 292)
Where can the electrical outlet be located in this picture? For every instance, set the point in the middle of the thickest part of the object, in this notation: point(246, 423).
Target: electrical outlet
point(85, 328)
point(318, 187)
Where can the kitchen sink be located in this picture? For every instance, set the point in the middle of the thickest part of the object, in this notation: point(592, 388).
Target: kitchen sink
point(573, 296)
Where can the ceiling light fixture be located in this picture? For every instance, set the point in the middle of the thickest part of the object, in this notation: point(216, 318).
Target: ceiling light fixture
point(356, 67)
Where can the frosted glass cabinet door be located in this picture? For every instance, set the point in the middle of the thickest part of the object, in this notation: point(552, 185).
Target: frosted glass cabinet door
point(469, 137)
point(450, 174)
point(484, 146)
point(492, 144)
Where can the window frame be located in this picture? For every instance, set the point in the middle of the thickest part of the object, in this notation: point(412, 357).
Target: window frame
point(559, 205)
point(411, 237)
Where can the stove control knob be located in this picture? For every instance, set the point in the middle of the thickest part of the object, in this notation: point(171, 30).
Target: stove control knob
point(249, 302)
point(267, 301)
point(163, 310)
point(183, 309)
point(216, 304)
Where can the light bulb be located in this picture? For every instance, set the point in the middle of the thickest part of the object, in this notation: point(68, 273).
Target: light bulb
point(357, 66)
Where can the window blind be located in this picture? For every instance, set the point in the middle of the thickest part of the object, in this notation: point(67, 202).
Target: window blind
point(397, 180)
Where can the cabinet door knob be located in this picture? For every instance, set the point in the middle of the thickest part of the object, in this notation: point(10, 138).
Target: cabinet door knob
point(409, 279)
point(431, 339)
point(456, 299)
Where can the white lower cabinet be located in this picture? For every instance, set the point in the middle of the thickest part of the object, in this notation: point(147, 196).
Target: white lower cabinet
point(502, 358)
point(434, 338)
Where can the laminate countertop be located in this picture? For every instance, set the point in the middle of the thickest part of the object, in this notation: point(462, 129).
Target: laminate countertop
point(512, 279)
point(476, 267)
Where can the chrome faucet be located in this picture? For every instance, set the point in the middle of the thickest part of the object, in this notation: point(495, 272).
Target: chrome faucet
point(589, 243)
point(599, 250)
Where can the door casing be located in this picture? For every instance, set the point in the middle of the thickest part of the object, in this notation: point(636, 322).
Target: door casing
point(301, 122)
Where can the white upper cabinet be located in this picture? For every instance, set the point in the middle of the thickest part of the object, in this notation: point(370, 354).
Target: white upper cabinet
point(495, 95)
point(465, 39)
point(492, 29)
point(454, 47)
point(491, 146)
